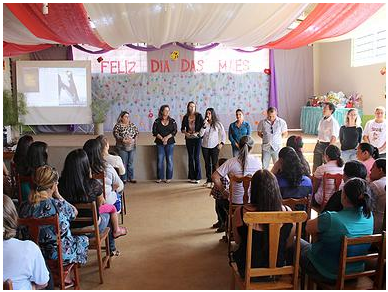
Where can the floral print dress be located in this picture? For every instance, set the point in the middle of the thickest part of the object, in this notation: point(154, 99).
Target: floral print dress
point(74, 248)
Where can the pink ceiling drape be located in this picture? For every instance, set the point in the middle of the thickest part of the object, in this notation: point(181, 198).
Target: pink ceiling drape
point(10, 50)
point(66, 23)
point(327, 20)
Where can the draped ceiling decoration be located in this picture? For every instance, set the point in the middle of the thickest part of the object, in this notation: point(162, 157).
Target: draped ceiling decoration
point(259, 25)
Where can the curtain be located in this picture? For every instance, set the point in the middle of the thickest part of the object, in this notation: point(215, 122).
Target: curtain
point(294, 82)
point(66, 23)
point(239, 25)
point(10, 50)
point(325, 21)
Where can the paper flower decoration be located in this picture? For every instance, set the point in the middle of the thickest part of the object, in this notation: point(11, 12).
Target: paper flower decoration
point(267, 71)
point(174, 55)
point(382, 71)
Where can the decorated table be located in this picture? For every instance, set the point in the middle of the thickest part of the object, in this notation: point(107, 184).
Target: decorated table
point(310, 116)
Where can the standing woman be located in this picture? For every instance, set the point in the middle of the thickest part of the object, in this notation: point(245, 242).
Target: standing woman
point(213, 134)
point(238, 129)
point(164, 129)
point(191, 125)
point(350, 135)
point(125, 133)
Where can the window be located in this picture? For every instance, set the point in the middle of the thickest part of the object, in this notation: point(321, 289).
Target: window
point(369, 48)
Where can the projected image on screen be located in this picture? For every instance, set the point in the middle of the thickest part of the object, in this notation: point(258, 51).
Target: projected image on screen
point(48, 87)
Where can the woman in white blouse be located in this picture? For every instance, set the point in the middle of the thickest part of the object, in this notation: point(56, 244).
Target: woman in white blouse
point(213, 138)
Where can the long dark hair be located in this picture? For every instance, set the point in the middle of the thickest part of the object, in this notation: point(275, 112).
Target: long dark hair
point(265, 192)
point(93, 149)
point(296, 143)
point(214, 116)
point(373, 151)
point(36, 156)
point(334, 153)
point(246, 144)
point(160, 113)
point(20, 156)
point(292, 168)
point(188, 105)
point(381, 164)
point(359, 194)
point(74, 183)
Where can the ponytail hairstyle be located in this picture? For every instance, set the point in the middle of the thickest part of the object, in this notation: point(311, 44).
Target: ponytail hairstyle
point(246, 144)
point(44, 178)
point(373, 151)
point(359, 194)
point(10, 218)
point(334, 153)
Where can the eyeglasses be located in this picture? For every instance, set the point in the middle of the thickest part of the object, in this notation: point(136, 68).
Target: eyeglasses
point(271, 129)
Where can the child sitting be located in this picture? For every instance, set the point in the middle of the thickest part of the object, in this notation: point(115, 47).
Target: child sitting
point(221, 202)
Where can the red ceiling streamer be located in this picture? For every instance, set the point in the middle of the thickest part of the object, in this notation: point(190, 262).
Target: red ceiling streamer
point(10, 49)
point(65, 23)
point(327, 20)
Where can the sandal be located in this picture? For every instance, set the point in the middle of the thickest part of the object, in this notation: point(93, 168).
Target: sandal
point(115, 253)
point(122, 231)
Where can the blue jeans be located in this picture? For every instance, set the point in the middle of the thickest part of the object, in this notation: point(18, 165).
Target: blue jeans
point(348, 155)
point(193, 150)
point(128, 157)
point(105, 222)
point(266, 156)
point(165, 152)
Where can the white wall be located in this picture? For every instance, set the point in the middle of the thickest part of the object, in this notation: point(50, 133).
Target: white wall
point(6, 75)
point(333, 71)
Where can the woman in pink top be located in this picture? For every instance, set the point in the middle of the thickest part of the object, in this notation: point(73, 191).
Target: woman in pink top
point(367, 154)
point(334, 164)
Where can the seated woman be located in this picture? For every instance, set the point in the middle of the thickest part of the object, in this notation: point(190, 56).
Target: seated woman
point(36, 157)
point(367, 154)
point(20, 157)
point(46, 201)
point(114, 160)
point(23, 261)
point(378, 187)
point(296, 143)
point(289, 173)
point(113, 184)
point(334, 164)
point(244, 164)
point(77, 186)
point(320, 259)
point(265, 196)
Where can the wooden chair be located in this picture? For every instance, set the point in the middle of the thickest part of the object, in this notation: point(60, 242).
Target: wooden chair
point(101, 176)
point(95, 242)
point(287, 276)
point(246, 181)
point(7, 285)
point(337, 177)
point(293, 202)
point(359, 280)
point(124, 206)
point(58, 270)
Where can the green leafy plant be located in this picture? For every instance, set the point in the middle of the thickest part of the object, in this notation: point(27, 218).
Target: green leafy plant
point(100, 108)
point(13, 108)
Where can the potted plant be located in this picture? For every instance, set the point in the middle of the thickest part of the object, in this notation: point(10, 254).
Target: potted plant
point(13, 108)
point(100, 108)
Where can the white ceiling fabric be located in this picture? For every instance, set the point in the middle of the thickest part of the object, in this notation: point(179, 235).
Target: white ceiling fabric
point(15, 32)
point(234, 25)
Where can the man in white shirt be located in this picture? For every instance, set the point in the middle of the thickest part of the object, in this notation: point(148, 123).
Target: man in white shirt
point(271, 130)
point(375, 131)
point(328, 132)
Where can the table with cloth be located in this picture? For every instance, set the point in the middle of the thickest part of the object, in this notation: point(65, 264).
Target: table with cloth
point(310, 116)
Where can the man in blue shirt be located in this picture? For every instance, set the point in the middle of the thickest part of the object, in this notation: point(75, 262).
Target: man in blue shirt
point(238, 129)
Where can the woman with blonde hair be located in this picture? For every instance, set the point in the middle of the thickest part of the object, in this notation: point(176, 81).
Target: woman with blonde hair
point(45, 201)
point(350, 135)
point(25, 265)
